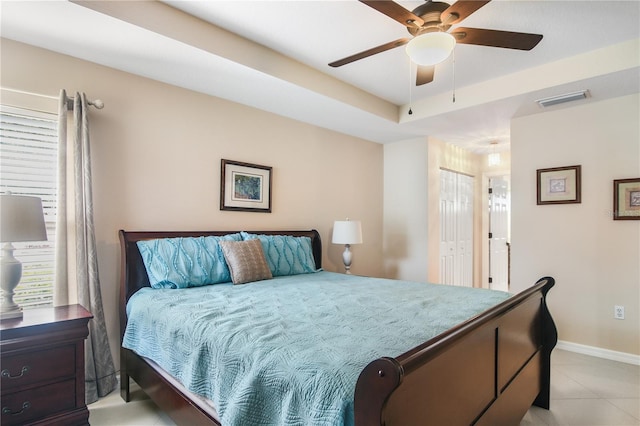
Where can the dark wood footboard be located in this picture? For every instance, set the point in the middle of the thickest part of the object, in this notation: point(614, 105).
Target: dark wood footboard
point(486, 371)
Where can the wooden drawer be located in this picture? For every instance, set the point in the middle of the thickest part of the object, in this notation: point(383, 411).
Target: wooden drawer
point(24, 369)
point(24, 406)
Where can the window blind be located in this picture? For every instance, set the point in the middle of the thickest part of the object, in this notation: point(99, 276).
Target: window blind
point(28, 166)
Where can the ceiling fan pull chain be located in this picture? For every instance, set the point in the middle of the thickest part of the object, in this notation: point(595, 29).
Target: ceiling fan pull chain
point(410, 86)
point(454, 76)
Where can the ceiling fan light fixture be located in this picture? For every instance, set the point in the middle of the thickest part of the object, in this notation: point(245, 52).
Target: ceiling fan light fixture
point(431, 48)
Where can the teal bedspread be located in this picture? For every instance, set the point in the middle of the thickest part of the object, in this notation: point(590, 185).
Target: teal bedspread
point(288, 351)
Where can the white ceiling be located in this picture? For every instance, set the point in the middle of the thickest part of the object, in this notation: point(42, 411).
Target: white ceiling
point(590, 45)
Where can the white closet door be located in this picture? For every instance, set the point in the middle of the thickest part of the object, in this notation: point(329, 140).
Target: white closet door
point(456, 229)
point(448, 243)
point(499, 210)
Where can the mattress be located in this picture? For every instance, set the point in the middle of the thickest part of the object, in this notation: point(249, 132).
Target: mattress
point(288, 351)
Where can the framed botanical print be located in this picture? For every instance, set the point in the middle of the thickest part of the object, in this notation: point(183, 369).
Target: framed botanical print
point(559, 185)
point(245, 187)
point(626, 199)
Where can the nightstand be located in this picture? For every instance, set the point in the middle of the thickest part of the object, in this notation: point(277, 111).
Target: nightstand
point(42, 365)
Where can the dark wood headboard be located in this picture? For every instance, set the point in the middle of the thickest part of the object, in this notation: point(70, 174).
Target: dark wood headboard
point(133, 275)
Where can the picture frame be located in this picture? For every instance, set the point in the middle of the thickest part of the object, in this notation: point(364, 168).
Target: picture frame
point(559, 185)
point(626, 199)
point(245, 187)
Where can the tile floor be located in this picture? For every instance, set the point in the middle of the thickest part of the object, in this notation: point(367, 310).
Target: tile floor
point(585, 391)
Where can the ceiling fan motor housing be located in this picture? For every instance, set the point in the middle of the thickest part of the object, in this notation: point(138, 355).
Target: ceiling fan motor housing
point(431, 13)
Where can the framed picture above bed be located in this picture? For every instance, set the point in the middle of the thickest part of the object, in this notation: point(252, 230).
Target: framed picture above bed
point(245, 187)
point(626, 199)
point(559, 185)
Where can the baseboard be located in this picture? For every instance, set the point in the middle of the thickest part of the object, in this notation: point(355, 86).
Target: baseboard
point(599, 352)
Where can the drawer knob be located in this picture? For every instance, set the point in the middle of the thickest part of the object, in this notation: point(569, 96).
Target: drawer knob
point(6, 373)
point(25, 406)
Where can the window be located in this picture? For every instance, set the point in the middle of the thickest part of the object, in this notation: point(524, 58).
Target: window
point(28, 166)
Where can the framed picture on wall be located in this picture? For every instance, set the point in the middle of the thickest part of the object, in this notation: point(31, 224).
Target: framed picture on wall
point(559, 185)
point(245, 187)
point(626, 199)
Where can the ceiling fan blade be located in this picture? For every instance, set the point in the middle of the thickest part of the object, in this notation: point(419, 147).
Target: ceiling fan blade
point(395, 11)
point(370, 52)
point(460, 10)
point(424, 74)
point(496, 38)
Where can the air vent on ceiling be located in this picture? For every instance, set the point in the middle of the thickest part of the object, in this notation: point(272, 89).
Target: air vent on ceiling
point(560, 99)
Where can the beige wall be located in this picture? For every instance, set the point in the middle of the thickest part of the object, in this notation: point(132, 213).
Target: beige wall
point(594, 259)
point(156, 156)
point(156, 153)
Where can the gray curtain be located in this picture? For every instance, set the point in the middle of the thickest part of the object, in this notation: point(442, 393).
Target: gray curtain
point(100, 374)
point(61, 283)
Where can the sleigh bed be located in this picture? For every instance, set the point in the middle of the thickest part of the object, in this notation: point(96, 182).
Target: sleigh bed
point(486, 369)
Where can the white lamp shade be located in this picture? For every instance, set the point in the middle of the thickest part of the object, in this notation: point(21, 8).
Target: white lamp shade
point(21, 219)
point(347, 232)
point(431, 48)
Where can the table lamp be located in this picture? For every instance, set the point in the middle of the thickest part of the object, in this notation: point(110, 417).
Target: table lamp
point(21, 219)
point(347, 232)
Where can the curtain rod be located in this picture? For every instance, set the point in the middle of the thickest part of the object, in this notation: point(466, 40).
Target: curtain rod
point(96, 103)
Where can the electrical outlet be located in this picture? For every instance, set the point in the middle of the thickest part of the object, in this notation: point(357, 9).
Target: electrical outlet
point(618, 312)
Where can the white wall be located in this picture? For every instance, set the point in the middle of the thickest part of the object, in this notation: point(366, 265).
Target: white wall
point(405, 210)
point(594, 259)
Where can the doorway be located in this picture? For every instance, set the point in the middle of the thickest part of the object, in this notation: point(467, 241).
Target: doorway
point(499, 225)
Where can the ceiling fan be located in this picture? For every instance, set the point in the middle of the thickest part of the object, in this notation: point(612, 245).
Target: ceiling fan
point(435, 16)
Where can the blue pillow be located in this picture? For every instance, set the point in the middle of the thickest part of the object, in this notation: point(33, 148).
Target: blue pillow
point(185, 261)
point(286, 255)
